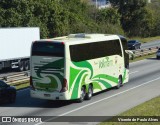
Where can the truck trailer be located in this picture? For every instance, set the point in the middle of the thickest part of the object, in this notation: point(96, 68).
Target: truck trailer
point(15, 44)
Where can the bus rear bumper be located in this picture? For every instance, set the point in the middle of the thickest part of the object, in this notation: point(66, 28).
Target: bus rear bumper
point(48, 95)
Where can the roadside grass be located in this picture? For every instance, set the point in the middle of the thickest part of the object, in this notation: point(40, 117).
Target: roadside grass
point(149, 108)
point(145, 40)
point(21, 85)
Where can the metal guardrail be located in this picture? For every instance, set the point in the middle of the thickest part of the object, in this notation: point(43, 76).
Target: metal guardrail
point(143, 52)
point(15, 77)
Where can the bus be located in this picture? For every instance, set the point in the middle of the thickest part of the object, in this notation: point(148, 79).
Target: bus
point(76, 66)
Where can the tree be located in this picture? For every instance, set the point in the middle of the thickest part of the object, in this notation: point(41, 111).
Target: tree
point(108, 15)
point(133, 16)
point(58, 17)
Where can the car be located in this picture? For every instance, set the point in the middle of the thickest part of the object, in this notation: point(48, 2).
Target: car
point(7, 92)
point(158, 53)
point(134, 44)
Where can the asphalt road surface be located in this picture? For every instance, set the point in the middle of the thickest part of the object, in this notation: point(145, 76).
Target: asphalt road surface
point(151, 44)
point(142, 86)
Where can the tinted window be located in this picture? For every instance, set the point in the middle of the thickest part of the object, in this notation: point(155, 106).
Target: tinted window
point(131, 41)
point(48, 49)
point(87, 51)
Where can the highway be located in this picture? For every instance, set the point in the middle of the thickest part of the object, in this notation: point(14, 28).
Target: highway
point(142, 86)
point(151, 44)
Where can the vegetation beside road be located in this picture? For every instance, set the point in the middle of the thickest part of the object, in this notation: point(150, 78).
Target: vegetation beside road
point(61, 17)
point(149, 108)
point(20, 85)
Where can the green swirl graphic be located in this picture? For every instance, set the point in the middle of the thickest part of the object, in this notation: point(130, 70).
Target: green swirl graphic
point(77, 76)
point(84, 64)
point(59, 64)
point(51, 86)
point(57, 69)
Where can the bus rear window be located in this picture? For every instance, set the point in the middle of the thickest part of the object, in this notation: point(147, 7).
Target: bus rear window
point(48, 49)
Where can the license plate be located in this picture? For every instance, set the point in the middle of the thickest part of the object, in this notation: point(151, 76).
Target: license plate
point(47, 95)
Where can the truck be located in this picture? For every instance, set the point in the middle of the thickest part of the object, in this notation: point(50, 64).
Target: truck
point(15, 44)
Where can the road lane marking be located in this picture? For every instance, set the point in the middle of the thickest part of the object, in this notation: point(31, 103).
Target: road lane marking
point(133, 72)
point(98, 101)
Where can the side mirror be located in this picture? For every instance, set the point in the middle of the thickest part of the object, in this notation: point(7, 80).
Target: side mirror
point(130, 53)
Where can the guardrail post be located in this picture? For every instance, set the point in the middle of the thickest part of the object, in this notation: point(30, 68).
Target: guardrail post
point(5, 78)
point(132, 57)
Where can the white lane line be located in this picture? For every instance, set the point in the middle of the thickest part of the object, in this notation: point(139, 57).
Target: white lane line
point(133, 72)
point(99, 101)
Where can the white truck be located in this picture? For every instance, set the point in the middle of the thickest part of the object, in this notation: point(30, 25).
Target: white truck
point(15, 44)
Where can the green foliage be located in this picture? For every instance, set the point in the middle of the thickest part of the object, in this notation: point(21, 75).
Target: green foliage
point(154, 8)
point(61, 17)
point(108, 15)
point(140, 24)
point(139, 18)
point(58, 17)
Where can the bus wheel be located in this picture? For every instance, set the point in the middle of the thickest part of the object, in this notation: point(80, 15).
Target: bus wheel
point(119, 82)
point(82, 96)
point(90, 92)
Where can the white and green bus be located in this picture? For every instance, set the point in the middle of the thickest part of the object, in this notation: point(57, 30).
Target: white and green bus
point(78, 65)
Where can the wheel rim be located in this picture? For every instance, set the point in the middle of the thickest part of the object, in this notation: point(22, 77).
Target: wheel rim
point(119, 82)
point(90, 92)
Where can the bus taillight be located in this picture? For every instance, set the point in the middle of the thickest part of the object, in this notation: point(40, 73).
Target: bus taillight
point(31, 83)
point(64, 86)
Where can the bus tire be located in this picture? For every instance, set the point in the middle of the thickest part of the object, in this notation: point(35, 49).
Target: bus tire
point(89, 93)
point(119, 82)
point(83, 94)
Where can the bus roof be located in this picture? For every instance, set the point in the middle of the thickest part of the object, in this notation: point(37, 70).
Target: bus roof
point(81, 37)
